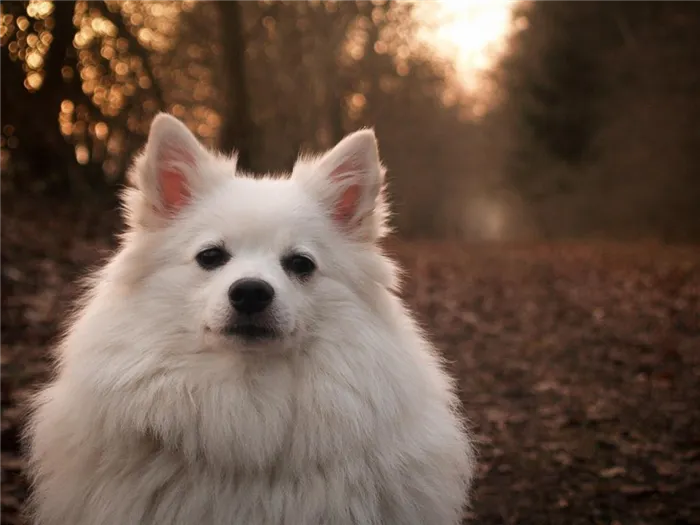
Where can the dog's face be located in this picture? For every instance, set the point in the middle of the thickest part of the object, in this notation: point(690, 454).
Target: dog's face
point(248, 263)
point(250, 252)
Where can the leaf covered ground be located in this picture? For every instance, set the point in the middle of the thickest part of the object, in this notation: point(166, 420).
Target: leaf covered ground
point(578, 363)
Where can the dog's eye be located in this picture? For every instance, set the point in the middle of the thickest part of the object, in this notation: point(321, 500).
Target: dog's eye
point(298, 264)
point(212, 258)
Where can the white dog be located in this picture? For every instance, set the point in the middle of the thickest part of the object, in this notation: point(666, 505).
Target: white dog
point(244, 359)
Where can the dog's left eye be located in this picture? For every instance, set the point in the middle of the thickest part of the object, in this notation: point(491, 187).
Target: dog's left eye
point(298, 264)
point(212, 258)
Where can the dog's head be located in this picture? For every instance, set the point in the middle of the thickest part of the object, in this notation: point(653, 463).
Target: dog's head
point(238, 262)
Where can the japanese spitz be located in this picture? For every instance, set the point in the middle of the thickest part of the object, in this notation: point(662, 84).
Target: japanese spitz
point(244, 359)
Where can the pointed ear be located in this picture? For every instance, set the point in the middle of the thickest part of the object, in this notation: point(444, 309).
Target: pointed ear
point(168, 174)
point(348, 180)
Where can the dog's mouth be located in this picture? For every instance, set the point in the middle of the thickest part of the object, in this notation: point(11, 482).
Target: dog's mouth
point(251, 332)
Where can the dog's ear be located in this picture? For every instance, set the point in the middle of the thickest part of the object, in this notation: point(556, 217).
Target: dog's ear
point(349, 181)
point(167, 175)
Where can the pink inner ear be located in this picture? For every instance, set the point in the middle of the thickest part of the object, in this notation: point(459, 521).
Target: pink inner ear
point(347, 204)
point(173, 183)
point(175, 191)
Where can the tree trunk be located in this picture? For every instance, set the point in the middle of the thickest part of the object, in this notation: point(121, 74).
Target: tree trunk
point(49, 156)
point(238, 131)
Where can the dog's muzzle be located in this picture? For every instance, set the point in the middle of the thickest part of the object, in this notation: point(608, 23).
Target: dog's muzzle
point(252, 331)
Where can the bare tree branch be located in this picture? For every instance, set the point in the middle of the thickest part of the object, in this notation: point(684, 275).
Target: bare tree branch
point(134, 45)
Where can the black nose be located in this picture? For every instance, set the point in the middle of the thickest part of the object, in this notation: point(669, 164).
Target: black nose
point(250, 296)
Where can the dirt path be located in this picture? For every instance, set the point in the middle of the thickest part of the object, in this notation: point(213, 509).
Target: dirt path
point(579, 364)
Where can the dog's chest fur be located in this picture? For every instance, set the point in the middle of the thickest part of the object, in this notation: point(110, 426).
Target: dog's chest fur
point(164, 489)
point(307, 444)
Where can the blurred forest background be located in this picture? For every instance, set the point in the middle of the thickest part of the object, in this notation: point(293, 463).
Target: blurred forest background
point(583, 122)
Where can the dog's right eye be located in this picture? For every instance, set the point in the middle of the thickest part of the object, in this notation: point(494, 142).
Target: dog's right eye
point(298, 264)
point(212, 258)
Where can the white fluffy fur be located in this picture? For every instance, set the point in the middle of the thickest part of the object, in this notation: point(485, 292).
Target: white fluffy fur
point(154, 418)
